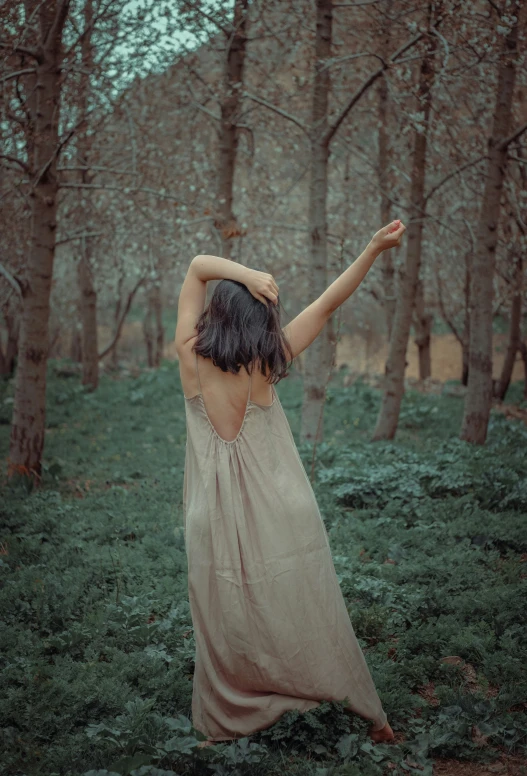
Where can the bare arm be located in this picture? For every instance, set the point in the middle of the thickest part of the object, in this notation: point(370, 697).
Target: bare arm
point(303, 329)
point(203, 268)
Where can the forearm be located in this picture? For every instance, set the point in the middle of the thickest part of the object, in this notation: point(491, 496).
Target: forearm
point(215, 268)
point(344, 286)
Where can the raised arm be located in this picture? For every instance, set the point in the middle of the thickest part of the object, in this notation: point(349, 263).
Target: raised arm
point(303, 329)
point(203, 268)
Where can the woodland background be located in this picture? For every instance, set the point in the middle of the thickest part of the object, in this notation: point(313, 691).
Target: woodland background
point(135, 135)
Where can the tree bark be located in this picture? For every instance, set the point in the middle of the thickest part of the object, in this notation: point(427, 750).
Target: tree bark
point(88, 311)
point(226, 221)
point(386, 181)
point(318, 354)
point(478, 399)
point(423, 332)
point(465, 337)
point(502, 385)
point(87, 291)
point(8, 360)
point(396, 362)
point(29, 411)
point(523, 352)
point(153, 327)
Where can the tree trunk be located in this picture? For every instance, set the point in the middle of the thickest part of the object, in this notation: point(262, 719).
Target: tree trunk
point(396, 362)
point(503, 383)
point(114, 355)
point(8, 361)
point(76, 346)
point(87, 292)
point(478, 399)
point(386, 181)
point(423, 326)
point(318, 354)
point(29, 411)
point(523, 352)
point(88, 310)
point(465, 337)
point(228, 140)
point(153, 327)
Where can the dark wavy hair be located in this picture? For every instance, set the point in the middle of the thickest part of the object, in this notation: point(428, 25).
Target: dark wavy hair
point(236, 330)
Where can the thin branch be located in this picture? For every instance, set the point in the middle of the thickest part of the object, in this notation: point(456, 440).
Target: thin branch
point(134, 190)
point(78, 236)
point(452, 174)
point(327, 137)
point(278, 110)
point(14, 159)
point(30, 52)
point(338, 60)
point(17, 73)
point(126, 310)
point(515, 135)
point(12, 280)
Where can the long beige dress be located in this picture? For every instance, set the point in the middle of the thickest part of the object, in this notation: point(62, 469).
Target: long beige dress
point(270, 623)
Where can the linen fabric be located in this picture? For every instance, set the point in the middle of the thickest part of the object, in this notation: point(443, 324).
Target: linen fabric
point(271, 627)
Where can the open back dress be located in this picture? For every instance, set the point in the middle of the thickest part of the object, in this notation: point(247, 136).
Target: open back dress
point(271, 627)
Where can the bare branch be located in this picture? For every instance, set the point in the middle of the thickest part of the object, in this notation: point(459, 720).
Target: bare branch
point(134, 190)
point(78, 236)
point(278, 110)
point(17, 73)
point(515, 135)
point(453, 174)
point(15, 160)
point(122, 319)
point(30, 52)
point(327, 137)
point(12, 280)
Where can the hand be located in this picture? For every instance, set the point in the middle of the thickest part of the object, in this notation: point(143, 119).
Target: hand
point(389, 236)
point(262, 286)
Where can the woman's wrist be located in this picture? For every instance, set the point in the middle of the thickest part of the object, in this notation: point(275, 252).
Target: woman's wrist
point(209, 267)
point(374, 248)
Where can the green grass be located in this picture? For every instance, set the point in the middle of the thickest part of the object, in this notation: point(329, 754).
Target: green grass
point(428, 538)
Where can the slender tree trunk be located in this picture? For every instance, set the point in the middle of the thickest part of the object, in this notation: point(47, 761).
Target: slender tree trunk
point(114, 355)
point(386, 181)
point(478, 400)
point(153, 327)
point(423, 326)
point(226, 221)
point(523, 352)
point(318, 355)
point(465, 337)
point(76, 346)
point(87, 291)
point(29, 411)
point(396, 362)
point(88, 311)
point(502, 385)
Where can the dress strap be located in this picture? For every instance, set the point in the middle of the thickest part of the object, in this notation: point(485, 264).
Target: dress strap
point(250, 380)
point(197, 371)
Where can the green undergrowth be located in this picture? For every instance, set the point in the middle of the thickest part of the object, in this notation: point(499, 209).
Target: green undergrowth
point(97, 651)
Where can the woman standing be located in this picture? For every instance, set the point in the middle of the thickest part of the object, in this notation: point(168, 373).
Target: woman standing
point(270, 623)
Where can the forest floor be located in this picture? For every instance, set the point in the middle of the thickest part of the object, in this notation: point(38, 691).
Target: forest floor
point(428, 540)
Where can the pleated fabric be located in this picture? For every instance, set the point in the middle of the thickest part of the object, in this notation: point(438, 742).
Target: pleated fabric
point(270, 623)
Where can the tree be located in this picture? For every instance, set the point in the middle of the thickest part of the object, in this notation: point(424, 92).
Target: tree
point(393, 389)
point(29, 411)
point(478, 399)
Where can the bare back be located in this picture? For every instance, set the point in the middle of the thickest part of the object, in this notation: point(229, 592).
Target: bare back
point(224, 394)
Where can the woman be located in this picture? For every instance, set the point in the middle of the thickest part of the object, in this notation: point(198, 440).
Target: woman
point(270, 623)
